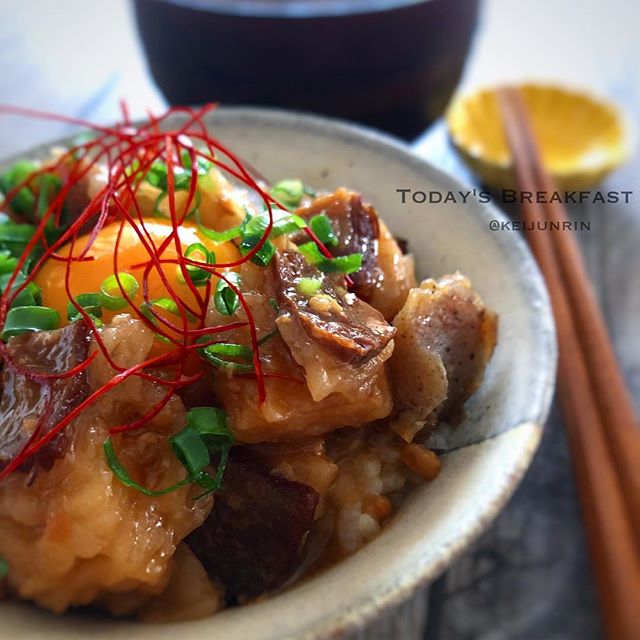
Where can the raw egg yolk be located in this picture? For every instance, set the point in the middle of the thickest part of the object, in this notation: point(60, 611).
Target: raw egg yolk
point(87, 276)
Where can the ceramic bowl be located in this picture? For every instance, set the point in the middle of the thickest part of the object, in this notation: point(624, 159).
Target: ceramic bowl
point(487, 454)
point(582, 138)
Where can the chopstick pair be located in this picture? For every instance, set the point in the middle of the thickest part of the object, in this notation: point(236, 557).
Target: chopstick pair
point(597, 408)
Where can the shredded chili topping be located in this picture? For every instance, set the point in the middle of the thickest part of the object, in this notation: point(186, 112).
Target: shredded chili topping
point(128, 153)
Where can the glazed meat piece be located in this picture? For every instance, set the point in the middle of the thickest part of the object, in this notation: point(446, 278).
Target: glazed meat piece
point(338, 321)
point(356, 227)
point(445, 338)
point(26, 404)
point(291, 413)
point(74, 534)
point(386, 274)
point(310, 387)
point(252, 541)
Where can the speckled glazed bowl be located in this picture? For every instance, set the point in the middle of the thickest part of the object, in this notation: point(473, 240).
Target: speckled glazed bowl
point(488, 454)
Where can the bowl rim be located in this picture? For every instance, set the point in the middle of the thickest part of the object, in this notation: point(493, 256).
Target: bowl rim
point(394, 592)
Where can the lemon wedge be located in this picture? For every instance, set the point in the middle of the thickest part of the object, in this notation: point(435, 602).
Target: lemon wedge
point(581, 138)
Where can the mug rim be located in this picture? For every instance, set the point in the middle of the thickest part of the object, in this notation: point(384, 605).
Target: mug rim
point(293, 8)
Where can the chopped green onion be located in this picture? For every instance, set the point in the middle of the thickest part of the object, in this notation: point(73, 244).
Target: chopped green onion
point(309, 286)
point(197, 275)
point(24, 201)
point(263, 256)
point(203, 165)
point(274, 304)
point(283, 222)
point(18, 281)
point(122, 474)
point(167, 304)
point(26, 319)
point(191, 450)
point(25, 299)
point(28, 297)
point(109, 299)
point(158, 177)
point(290, 192)
point(311, 252)
point(341, 264)
point(181, 178)
point(220, 236)
point(226, 299)
point(132, 168)
point(218, 355)
point(213, 484)
point(90, 302)
point(14, 237)
point(222, 465)
point(4, 568)
point(253, 230)
point(321, 226)
point(211, 424)
point(7, 263)
point(163, 303)
point(48, 186)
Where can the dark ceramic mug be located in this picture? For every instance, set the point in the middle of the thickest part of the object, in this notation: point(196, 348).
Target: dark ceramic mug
point(392, 64)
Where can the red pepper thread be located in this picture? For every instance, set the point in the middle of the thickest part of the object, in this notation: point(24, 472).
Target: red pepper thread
point(127, 153)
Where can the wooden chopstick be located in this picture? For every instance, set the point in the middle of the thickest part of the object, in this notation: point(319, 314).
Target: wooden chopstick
point(608, 383)
point(611, 536)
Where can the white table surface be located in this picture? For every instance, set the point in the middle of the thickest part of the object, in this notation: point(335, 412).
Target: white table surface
point(529, 577)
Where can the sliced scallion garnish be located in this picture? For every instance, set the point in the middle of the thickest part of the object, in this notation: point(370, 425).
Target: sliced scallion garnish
point(321, 226)
point(341, 264)
point(166, 304)
point(191, 450)
point(14, 237)
point(284, 222)
point(219, 355)
point(290, 192)
point(309, 286)
point(109, 290)
point(206, 432)
point(48, 186)
point(21, 320)
point(198, 253)
point(18, 281)
point(7, 263)
point(24, 201)
point(226, 299)
point(122, 474)
point(25, 299)
point(90, 302)
point(211, 424)
point(253, 230)
point(220, 236)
